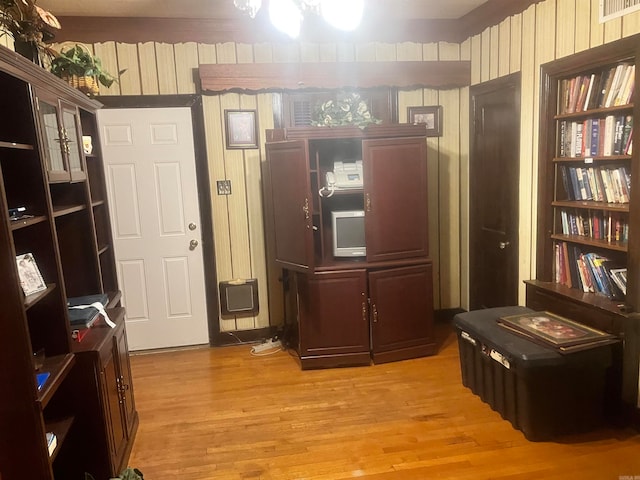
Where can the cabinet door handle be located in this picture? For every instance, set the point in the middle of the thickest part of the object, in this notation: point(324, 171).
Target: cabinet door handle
point(375, 313)
point(305, 209)
point(368, 202)
point(364, 311)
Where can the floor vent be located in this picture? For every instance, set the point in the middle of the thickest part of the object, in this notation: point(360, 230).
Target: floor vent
point(610, 9)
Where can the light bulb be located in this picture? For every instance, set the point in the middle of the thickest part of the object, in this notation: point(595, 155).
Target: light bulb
point(342, 14)
point(285, 16)
point(250, 7)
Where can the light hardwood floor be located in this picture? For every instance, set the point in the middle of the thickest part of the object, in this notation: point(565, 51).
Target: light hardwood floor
point(221, 413)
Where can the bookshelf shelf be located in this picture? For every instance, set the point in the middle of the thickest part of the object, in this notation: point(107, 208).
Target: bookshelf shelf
point(27, 222)
point(594, 112)
point(591, 205)
point(591, 242)
point(58, 367)
point(61, 211)
point(15, 145)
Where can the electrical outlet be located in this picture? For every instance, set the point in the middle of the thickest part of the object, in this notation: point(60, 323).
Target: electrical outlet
point(224, 187)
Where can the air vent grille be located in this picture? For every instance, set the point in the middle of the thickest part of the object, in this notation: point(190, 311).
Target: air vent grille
point(301, 113)
point(610, 9)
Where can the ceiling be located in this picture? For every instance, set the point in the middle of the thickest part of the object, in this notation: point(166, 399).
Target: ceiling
point(405, 9)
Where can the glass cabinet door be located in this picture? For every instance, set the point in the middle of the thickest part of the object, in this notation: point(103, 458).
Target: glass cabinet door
point(73, 141)
point(52, 138)
point(62, 139)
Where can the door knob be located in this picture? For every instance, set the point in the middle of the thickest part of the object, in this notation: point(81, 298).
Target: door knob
point(193, 244)
point(192, 226)
point(503, 245)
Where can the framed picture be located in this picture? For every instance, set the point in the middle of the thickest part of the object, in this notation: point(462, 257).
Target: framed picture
point(242, 128)
point(31, 280)
point(430, 116)
point(553, 330)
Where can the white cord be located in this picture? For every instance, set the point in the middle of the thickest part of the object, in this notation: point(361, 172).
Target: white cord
point(324, 189)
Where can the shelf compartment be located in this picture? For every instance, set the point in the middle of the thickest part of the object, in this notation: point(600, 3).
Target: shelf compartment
point(100, 332)
point(61, 429)
point(591, 242)
point(58, 367)
point(591, 205)
point(31, 300)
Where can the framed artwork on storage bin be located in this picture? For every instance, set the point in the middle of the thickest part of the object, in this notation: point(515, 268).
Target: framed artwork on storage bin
point(554, 330)
point(242, 128)
point(430, 116)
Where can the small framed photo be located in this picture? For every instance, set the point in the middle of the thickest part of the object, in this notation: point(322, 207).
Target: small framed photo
point(242, 128)
point(31, 279)
point(430, 116)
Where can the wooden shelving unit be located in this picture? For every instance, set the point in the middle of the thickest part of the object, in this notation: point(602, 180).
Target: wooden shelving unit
point(556, 287)
point(67, 231)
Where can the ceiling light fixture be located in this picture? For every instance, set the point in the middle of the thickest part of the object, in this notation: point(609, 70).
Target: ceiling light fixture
point(287, 15)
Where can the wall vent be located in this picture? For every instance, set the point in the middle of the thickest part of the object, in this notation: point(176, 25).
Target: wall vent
point(610, 9)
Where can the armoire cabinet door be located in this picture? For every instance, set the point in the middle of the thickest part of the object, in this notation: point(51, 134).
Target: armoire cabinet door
point(401, 313)
point(333, 314)
point(396, 219)
point(113, 416)
point(291, 204)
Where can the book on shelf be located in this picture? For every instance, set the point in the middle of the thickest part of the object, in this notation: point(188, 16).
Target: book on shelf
point(31, 279)
point(588, 271)
point(554, 331)
point(52, 442)
point(84, 311)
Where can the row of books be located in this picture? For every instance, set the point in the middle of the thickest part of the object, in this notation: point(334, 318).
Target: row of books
point(595, 224)
point(609, 88)
point(596, 137)
point(600, 184)
point(589, 272)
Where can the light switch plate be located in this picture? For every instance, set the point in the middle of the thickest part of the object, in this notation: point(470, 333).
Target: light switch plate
point(224, 187)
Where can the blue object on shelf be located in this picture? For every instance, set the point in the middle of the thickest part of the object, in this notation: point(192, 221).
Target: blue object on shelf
point(42, 378)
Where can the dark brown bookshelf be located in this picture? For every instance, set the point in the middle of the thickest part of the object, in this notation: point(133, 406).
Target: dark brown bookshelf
point(550, 289)
point(60, 194)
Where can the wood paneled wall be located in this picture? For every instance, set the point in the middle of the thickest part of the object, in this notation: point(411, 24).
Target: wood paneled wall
point(522, 42)
point(544, 32)
point(153, 68)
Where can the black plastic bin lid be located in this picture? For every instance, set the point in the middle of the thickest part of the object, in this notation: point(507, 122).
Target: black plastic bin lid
point(482, 326)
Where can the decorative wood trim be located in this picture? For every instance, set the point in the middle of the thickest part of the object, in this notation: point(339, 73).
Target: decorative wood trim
point(297, 76)
point(243, 30)
point(21, 68)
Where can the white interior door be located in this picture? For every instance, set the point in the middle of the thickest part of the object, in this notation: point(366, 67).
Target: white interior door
point(150, 171)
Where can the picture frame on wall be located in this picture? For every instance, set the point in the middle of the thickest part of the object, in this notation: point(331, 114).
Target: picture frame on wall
point(431, 116)
point(241, 129)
